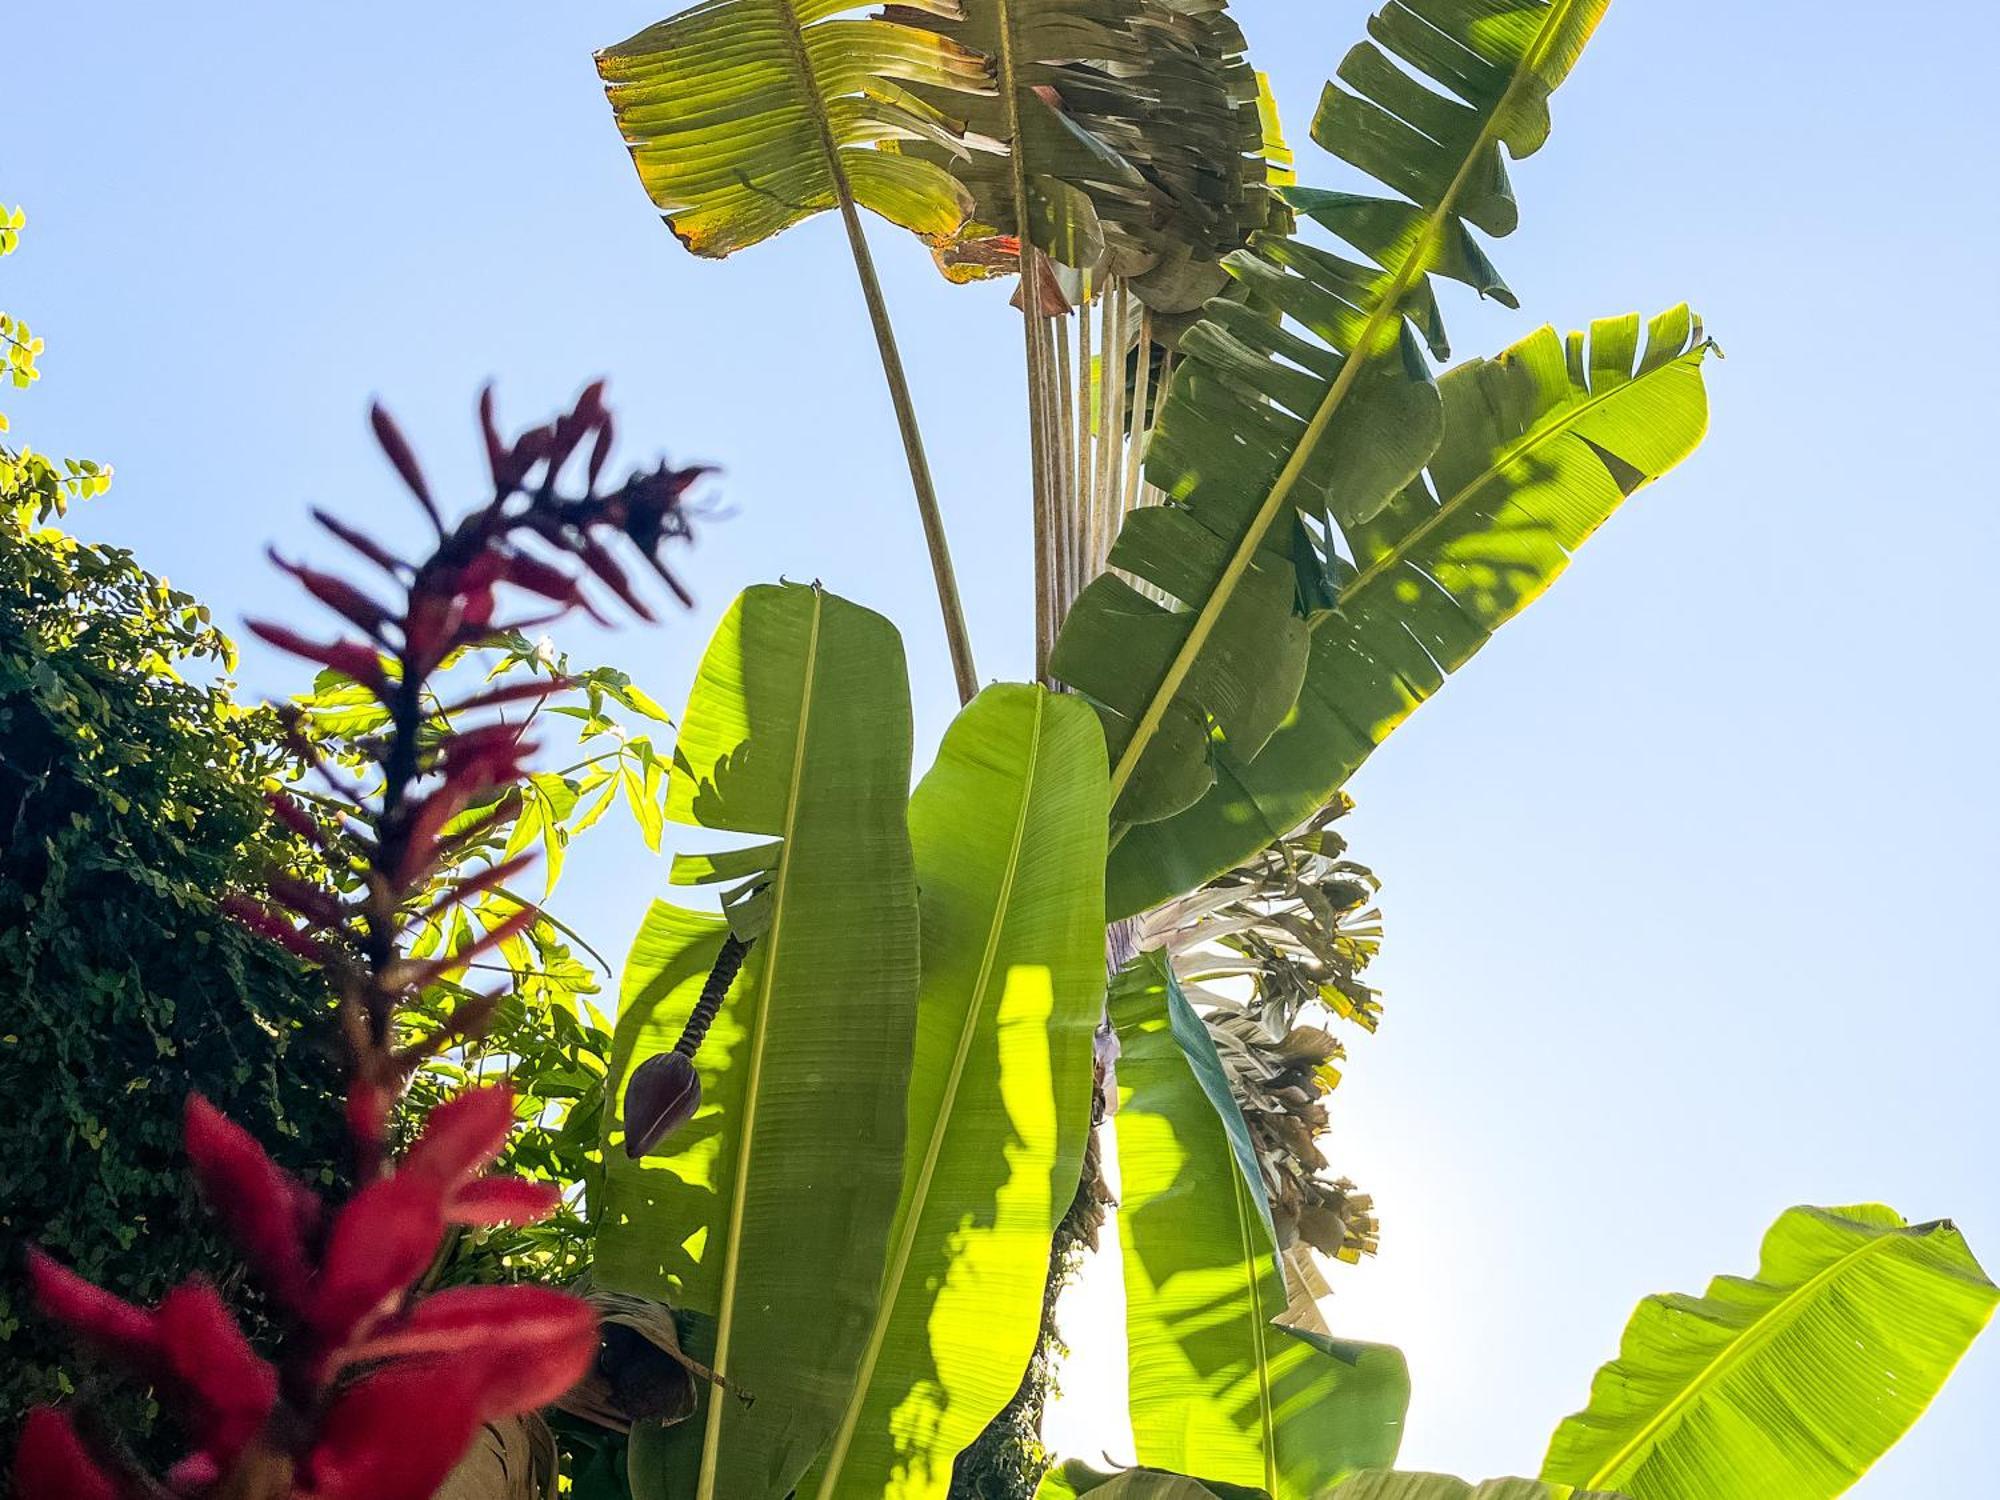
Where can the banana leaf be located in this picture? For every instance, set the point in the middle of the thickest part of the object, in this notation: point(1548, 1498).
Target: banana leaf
point(746, 116)
point(1385, 1485)
point(1309, 397)
point(1217, 1390)
point(1540, 446)
point(765, 1219)
point(1791, 1383)
point(1009, 830)
point(1139, 139)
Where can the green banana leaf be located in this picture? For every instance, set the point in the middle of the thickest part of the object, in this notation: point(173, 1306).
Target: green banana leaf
point(1217, 1390)
point(1540, 446)
point(746, 116)
point(765, 1220)
point(1265, 428)
point(1384, 1485)
point(1791, 1384)
point(1009, 830)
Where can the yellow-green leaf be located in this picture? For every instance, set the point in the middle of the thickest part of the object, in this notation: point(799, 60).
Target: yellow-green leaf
point(765, 1220)
point(1791, 1383)
point(1009, 831)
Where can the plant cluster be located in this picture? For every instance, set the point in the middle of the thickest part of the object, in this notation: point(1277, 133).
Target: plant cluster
point(1265, 531)
point(848, 1133)
point(362, 1346)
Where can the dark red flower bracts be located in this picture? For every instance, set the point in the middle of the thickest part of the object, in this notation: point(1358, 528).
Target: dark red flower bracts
point(380, 1392)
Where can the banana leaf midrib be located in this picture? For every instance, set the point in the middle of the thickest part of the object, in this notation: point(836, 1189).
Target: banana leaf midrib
point(1524, 446)
point(892, 1282)
point(1761, 1332)
point(1258, 1324)
point(795, 48)
point(726, 1304)
point(1387, 308)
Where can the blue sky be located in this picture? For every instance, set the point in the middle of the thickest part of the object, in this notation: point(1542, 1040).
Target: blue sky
point(1688, 878)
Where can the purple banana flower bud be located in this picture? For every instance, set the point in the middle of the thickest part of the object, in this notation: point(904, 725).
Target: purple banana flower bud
point(662, 1096)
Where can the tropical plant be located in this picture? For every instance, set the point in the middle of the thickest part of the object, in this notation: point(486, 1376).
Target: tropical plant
point(850, 1117)
point(546, 1036)
point(378, 1386)
point(1264, 532)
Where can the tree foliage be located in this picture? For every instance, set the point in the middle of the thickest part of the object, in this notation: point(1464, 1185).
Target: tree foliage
point(130, 799)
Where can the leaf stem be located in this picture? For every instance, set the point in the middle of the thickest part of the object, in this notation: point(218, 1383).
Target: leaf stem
point(957, 637)
point(1031, 315)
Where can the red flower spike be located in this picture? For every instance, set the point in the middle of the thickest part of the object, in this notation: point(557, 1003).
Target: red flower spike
point(503, 1200)
point(531, 1323)
point(437, 1367)
point(370, 1448)
point(108, 1323)
point(380, 1243)
point(266, 1210)
point(397, 447)
point(227, 1391)
point(53, 1464)
point(363, 543)
point(461, 1137)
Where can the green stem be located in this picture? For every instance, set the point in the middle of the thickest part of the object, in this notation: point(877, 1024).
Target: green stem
point(1031, 313)
point(957, 637)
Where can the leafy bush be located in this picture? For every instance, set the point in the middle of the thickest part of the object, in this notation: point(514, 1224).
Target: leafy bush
point(130, 799)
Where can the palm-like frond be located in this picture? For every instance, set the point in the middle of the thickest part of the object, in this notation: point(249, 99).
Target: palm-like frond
point(746, 116)
point(1137, 130)
point(1540, 446)
point(1310, 397)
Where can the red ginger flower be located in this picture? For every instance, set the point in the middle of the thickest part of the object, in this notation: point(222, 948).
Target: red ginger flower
point(383, 1392)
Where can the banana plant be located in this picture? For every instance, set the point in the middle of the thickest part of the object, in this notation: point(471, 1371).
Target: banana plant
point(1265, 531)
point(853, 1215)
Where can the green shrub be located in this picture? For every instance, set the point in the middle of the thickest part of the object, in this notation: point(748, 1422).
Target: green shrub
point(129, 801)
